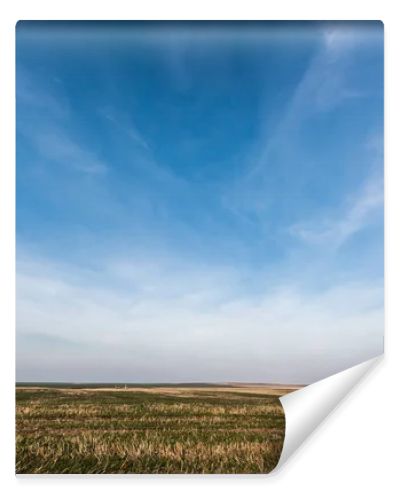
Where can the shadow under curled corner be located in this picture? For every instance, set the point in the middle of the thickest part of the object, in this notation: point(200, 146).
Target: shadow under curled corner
point(308, 407)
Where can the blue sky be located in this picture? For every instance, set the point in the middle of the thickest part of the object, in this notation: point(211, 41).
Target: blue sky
point(198, 201)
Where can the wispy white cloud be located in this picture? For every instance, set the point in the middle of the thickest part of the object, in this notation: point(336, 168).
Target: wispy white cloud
point(57, 146)
point(49, 112)
point(49, 102)
point(359, 211)
point(324, 86)
point(169, 316)
point(124, 124)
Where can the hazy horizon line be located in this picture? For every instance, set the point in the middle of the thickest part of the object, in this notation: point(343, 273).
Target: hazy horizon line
point(163, 383)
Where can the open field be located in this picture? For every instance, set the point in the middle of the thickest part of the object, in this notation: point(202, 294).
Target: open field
point(149, 429)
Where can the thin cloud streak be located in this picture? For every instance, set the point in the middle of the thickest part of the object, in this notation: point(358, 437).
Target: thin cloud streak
point(125, 125)
point(49, 135)
point(57, 146)
point(322, 87)
point(358, 214)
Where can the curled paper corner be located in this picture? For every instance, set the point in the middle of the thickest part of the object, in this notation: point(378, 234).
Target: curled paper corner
point(306, 408)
